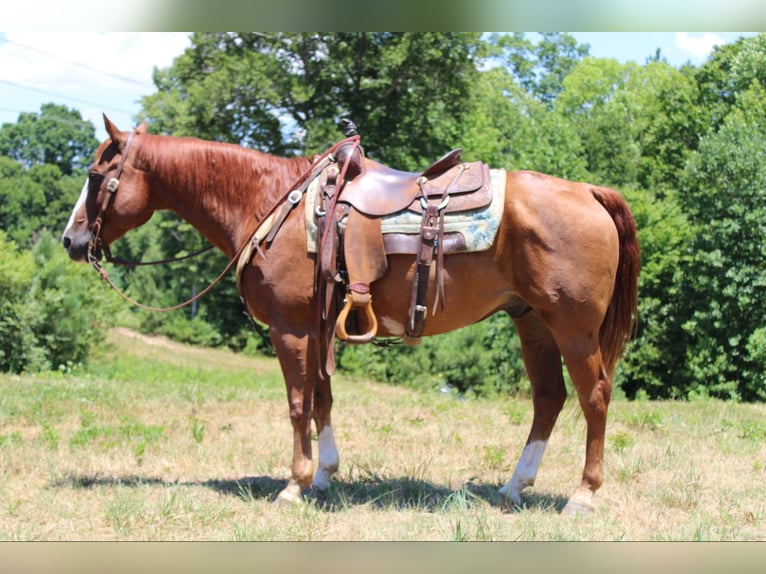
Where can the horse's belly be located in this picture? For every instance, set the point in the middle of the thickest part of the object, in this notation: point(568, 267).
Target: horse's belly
point(473, 290)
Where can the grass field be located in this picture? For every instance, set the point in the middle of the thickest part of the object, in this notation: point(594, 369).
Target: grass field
point(157, 441)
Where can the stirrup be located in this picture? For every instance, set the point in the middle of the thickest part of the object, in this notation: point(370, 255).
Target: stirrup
point(340, 324)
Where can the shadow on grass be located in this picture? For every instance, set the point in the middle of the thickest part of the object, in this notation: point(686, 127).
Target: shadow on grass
point(388, 493)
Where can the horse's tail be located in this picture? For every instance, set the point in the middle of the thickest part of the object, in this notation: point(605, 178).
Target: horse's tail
point(622, 314)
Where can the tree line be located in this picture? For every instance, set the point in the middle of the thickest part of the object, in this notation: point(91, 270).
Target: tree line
point(685, 145)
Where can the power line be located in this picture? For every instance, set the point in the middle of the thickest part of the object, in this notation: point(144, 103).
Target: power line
point(72, 98)
point(69, 122)
point(81, 65)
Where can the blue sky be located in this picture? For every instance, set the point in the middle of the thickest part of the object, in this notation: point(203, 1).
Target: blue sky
point(108, 72)
point(678, 47)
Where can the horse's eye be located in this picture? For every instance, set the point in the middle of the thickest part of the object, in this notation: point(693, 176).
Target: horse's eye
point(94, 180)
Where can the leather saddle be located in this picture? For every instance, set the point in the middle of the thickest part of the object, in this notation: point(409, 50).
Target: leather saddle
point(380, 190)
point(355, 194)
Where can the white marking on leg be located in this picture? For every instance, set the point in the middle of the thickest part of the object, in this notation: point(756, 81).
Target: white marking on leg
point(328, 459)
point(80, 202)
point(526, 471)
point(395, 328)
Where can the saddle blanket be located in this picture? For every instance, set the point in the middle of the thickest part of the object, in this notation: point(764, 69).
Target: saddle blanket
point(478, 227)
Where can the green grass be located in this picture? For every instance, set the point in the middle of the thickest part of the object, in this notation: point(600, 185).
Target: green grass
point(156, 441)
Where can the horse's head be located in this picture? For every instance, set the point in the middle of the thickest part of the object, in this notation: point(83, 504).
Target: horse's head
point(114, 199)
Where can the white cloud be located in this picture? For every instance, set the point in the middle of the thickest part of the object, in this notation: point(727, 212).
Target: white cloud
point(699, 46)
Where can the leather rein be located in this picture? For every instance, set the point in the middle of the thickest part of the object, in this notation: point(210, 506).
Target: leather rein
point(96, 244)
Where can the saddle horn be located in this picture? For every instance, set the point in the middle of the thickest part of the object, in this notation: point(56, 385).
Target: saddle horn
point(348, 127)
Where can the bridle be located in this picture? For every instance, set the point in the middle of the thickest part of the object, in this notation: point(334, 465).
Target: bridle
point(96, 245)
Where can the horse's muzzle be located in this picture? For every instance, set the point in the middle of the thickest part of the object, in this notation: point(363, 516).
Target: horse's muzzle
point(76, 243)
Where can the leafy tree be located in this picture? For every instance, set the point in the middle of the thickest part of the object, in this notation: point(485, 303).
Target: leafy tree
point(654, 362)
point(35, 199)
point(606, 113)
point(539, 68)
point(508, 128)
point(284, 93)
point(42, 157)
point(729, 72)
point(55, 136)
point(671, 124)
point(724, 193)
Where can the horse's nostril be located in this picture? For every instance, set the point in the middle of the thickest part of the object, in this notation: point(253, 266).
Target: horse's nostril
point(67, 242)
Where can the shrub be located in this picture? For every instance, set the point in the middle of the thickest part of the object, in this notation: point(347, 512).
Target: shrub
point(52, 312)
point(483, 359)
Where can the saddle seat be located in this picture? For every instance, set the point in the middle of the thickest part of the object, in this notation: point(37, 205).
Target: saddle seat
point(380, 190)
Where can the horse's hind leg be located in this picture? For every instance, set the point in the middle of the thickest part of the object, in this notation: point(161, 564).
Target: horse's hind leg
point(543, 363)
point(328, 452)
point(594, 389)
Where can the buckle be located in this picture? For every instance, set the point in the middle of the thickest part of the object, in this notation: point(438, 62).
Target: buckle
point(442, 205)
point(294, 197)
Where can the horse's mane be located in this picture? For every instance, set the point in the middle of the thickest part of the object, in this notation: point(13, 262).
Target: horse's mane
point(238, 177)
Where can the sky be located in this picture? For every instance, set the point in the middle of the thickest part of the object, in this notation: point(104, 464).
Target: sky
point(109, 72)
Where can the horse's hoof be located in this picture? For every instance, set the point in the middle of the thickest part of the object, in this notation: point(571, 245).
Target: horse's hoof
point(579, 505)
point(509, 500)
point(577, 509)
point(321, 480)
point(289, 496)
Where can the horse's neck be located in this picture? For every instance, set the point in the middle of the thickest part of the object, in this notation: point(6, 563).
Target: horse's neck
point(217, 188)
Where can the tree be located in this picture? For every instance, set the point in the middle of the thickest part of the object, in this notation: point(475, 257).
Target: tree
point(56, 136)
point(539, 68)
point(724, 193)
point(653, 365)
point(284, 93)
point(41, 170)
point(507, 128)
point(729, 72)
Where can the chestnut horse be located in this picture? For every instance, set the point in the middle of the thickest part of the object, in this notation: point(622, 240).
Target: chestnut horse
point(564, 265)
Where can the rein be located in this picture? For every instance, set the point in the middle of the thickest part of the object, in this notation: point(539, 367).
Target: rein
point(126, 263)
point(112, 187)
point(97, 242)
point(105, 276)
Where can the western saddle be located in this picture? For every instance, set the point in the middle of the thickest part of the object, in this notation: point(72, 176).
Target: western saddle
point(355, 194)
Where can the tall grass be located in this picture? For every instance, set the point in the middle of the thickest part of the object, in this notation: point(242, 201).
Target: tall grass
point(156, 441)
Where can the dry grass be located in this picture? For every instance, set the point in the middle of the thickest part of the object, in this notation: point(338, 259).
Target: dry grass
point(172, 443)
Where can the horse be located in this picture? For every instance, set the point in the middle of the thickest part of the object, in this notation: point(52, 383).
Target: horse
point(564, 265)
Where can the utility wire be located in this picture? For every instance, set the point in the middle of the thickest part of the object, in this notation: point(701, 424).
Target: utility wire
point(81, 65)
point(74, 63)
point(69, 122)
point(54, 94)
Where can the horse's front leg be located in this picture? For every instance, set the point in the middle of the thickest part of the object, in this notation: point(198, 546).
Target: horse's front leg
point(292, 349)
point(328, 452)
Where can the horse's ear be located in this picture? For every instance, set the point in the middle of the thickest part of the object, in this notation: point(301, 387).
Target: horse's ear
point(112, 130)
point(141, 129)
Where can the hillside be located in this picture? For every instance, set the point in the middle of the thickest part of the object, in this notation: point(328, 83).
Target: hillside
point(160, 441)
